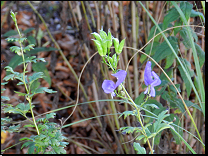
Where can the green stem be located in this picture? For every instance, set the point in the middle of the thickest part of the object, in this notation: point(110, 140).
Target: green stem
point(29, 100)
point(139, 118)
point(24, 71)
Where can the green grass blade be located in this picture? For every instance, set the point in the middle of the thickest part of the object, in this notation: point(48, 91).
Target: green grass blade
point(189, 78)
point(86, 120)
point(196, 60)
point(184, 141)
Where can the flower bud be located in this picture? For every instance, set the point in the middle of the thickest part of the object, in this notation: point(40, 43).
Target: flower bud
point(119, 88)
point(122, 93)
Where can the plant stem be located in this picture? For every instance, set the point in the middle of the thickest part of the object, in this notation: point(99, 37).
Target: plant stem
point(24, 70)
point(139, 118)
point(30, 102)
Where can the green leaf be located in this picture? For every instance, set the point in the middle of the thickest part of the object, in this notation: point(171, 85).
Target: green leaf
point(22, 39)
point(3, 83)
point(114, 61)
point(97, 36)
point(140, 99)
point(13, 128)
point(26, 144)
point(55, 142)
point(35, 84)
point(103, 34)
point(170, 17)
point(28, 126)
point(189, 71)
point(116, 44)
point(41, 67)
point(5, 98)
point(195, 13)
point(51, 115)
point(29, 47)
point(99, 47)
point(174, 101)
point(138, 148)
point(200, 53)
point(129, 130)
point(161, 116)
point(177, 122)
point(120, 48)
point(50, 152)
point(35, 76)
point(8, 77)
point(162, 126)
point(25, 138)
point(104, 46)
point(59, 150)
point(169, 72)
point(154, 32)
point(10, 33)
point(109, 38)
point(126, 113)
point(14, 62)
point(20, 93)
point(186, 8)
point(191, 104)
point(140, 137)
point(31, 148)
point(186, 41)
point(151, 105)
point(13, 39)
point(196, 82)
point(177, 23)
point(40, 120)
point(23, 107)
point(164, 50)
point(31, 40)
point(63, 144)
point(148, 48)
point(8, 68)
point(28, 30)
point(16, 49)
point(169, 60)
point(173, 88)
point(42, 90)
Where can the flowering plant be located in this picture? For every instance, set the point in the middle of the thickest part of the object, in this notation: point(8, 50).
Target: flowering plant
point(146, 131)
point(149, 82)
point(109, 86)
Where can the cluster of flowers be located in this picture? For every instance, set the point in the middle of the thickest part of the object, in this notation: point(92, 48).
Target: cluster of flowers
point(109, 86)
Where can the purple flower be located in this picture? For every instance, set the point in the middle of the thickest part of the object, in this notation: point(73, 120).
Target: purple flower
point(109, 86)
point(149, 81)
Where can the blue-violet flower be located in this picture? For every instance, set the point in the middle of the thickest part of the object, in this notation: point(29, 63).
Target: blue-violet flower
point(149, 81)
point(109, 86)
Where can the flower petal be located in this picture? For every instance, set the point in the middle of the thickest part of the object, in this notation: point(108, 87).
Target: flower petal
point(156, 81)
point(108, 86)
point(152, 91)
point(147, 74)
point(112, 95)
point(120, 75)
point(145, 92)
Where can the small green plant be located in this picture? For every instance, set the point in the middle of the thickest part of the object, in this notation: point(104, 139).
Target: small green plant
point(49, 139)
